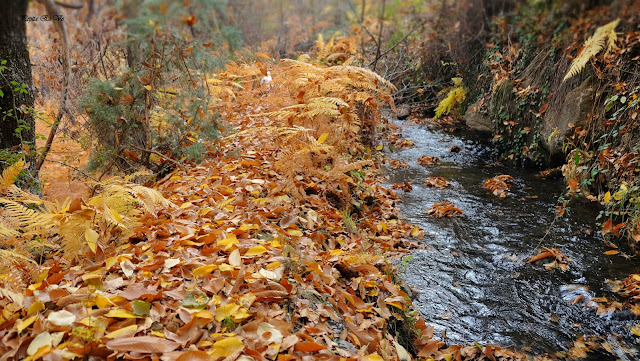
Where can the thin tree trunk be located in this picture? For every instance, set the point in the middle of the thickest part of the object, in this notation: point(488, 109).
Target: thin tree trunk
point(13, 49)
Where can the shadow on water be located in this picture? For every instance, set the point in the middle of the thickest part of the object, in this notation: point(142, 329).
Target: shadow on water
point(473, 280)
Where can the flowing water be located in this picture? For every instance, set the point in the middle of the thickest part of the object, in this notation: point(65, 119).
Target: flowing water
point(473, 280)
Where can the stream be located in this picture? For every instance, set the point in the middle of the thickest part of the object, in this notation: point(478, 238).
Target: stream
point(473, 280)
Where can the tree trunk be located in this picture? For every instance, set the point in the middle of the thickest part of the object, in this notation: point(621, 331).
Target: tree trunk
point(13, 49)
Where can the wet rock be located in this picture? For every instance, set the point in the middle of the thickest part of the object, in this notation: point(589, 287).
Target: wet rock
point(403, 112)
point(573, 109)
point(476, 120)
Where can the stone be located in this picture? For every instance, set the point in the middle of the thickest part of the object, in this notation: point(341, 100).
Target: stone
point(477, 120)
point(573, 109)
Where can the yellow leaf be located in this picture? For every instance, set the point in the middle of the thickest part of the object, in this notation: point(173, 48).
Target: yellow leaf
point(35, 307)
point(204, 314)
point(228, 242)
point(379, 147)
point(636, 330)
point(26, 323)
point(618, 195)
point(224, 267)
point(447, 356)
point(226, 347)
point(415, 232)
point(275, 243)
point(121, 313)
point(395, 304)
point(225, 311)
point(336, 252)
point(91, 237)
point(103, 302)
point(374, 357)
point(295, 232)
point(110, 262)
point(273, 265)
point(122, 331)
point(158, 334)
point(254, 251)
point(607, 197)
point(148, 87)
point(323, 138)
point(186, 205)
point(204, 270)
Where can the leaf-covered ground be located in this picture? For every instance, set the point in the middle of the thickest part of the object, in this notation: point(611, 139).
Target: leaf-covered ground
point(274, 248)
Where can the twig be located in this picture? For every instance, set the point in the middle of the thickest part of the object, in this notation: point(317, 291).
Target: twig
point(160, 155)
point(72, 167)
point(393, 47)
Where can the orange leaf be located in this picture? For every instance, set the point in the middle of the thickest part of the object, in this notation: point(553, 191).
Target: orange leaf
point(573, 184)
point(607, 227)
point(616, 229)
point(194, 355)
point(540, 256)
point(611, 253)
point(307, 346)
point(543, 108)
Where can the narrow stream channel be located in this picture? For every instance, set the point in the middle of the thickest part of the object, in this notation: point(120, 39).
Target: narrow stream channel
point(474, 282)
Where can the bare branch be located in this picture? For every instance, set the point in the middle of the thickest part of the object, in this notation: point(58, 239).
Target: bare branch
point(69, 6)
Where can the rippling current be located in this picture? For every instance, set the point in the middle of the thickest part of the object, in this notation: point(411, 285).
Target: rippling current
point(474, 282)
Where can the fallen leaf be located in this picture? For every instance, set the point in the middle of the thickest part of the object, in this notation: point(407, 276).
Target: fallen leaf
point(142, 344)
point(226, 347)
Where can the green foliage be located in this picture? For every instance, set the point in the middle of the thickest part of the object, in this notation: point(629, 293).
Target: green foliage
point(160, 106)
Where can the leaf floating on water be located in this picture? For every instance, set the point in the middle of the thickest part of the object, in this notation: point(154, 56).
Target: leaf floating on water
point(428, 160)
point(560, 260)
point(499, 185)
point(611, 252)
point(445, 209)
point(438, 182)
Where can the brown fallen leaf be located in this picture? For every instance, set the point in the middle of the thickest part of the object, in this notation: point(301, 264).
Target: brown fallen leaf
point(427, 160)
point(142, 344)
point(445, 209)
point(499, 185)
point(438, 182)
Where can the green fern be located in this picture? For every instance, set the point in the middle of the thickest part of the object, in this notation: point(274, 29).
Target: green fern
point(605, 34)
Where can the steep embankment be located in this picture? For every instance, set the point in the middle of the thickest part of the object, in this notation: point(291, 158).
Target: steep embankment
point(558, 84)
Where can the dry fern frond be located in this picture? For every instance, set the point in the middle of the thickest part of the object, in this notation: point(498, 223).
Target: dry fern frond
point(16, 257)
point(455, 97)
point(605, 34)
point(15, 297)
point(26, 220)
point(10, 174)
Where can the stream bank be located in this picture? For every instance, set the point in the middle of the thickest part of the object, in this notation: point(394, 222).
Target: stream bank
point(473, 281)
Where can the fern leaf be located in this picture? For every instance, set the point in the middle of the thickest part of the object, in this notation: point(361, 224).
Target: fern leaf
point(330, 100)
point(604, 35)
point(10, 174)
point(455, 97)
point(16, 257)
